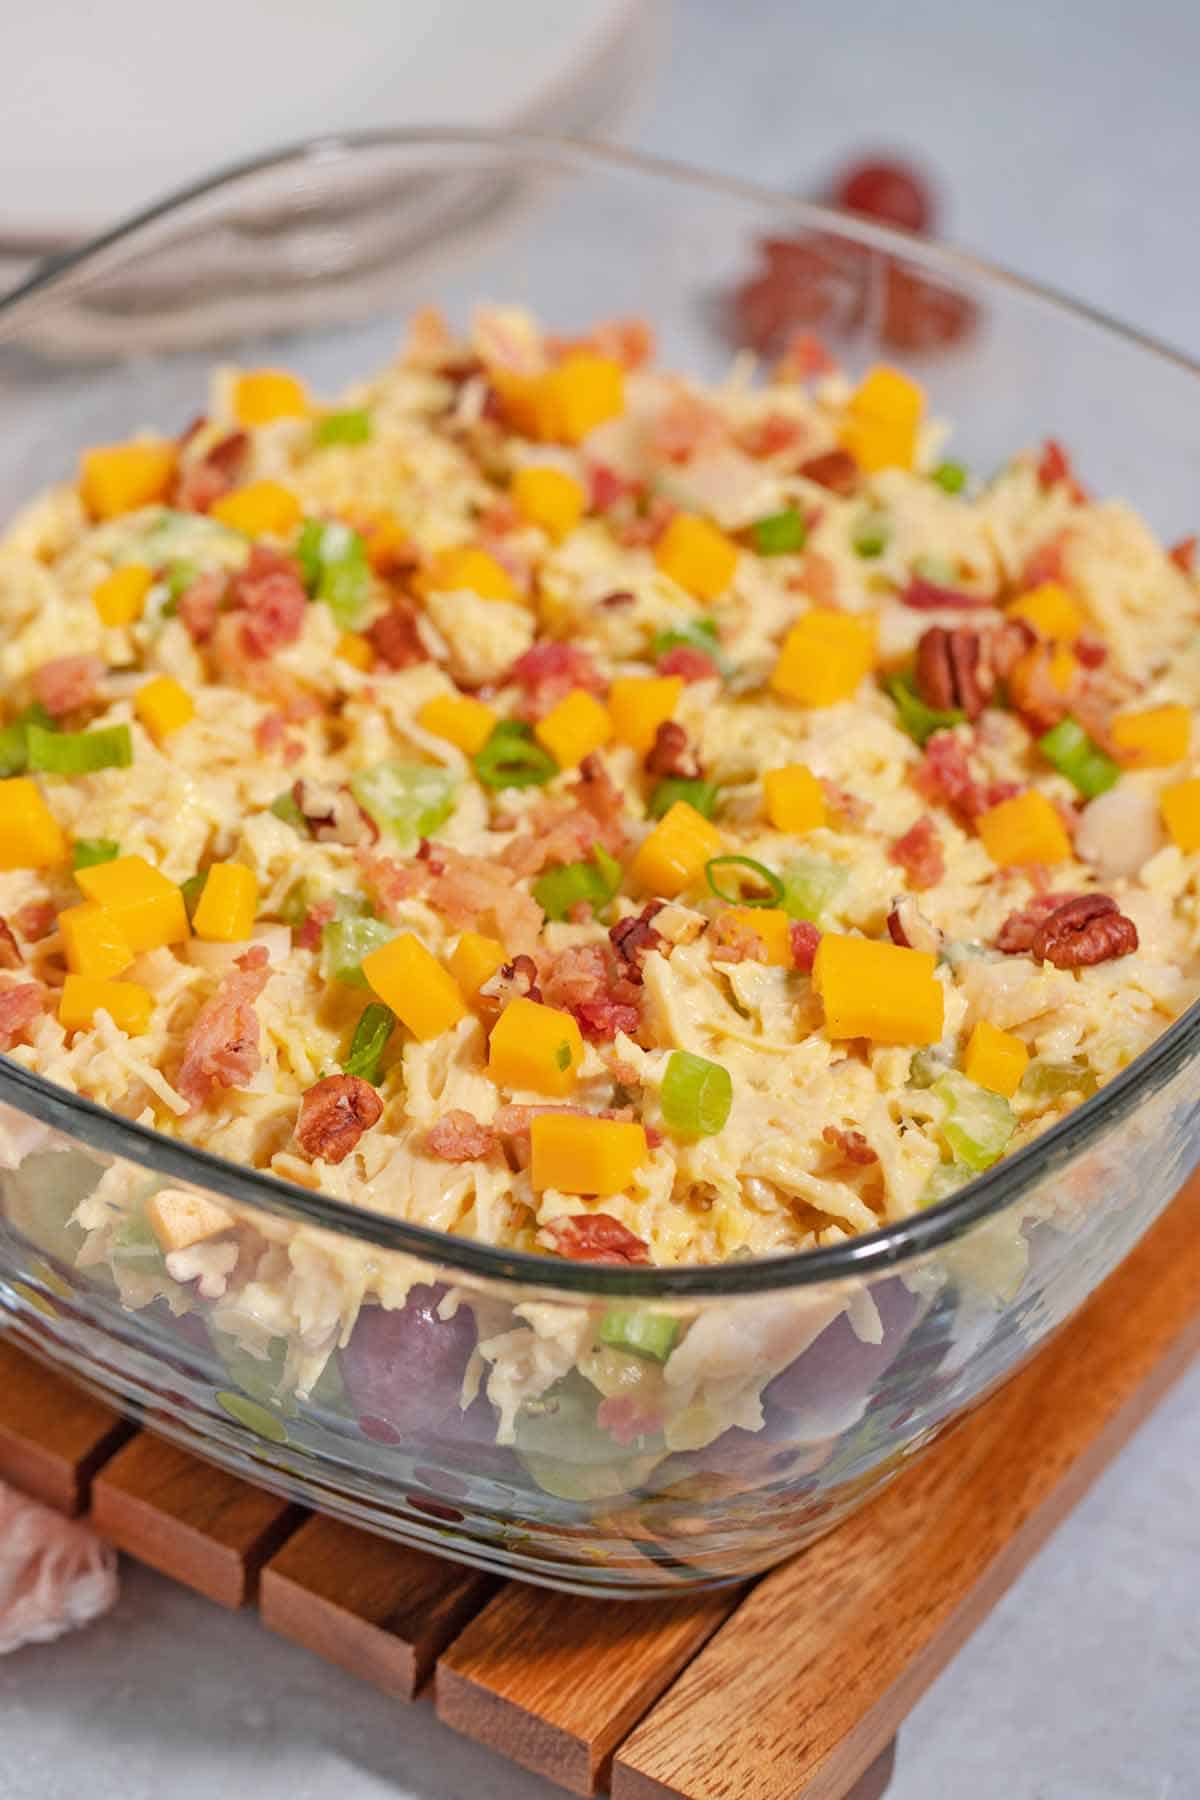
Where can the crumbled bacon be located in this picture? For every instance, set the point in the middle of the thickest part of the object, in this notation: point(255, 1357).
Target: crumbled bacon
point(635, 937)
point(564, 828)
point(66, 683)
point(928, 596)
point(606, 487)
point(459, 1137)
point(1183, 554)
point(626, 1418)
point(944, 774)
point(199, 604)
point(1015, 937)
point(1034, 691)
point(308, 932)
point(334, 1113)
point(268, 733)
point(804, 357)
point(671, 754)
point(836, 470)
point(846, 807)
point(919, 853)
point(35, 920)
point(19, 1007)
point(620, 597)
point(549, 671)
point(1045, 563)
point(852, 1146)
point(805, 939)
point(629, 342)
point(1090, 654)
point(736, 939)
point(222, 1046)
point(643, 529)
point(817, 580)
point(212, 475)
point(1054, 465)
point(10, 950)
point(270, 594)
point(595, 1238)
point(688, 661)
point(687, 425)
point(395, 636)
point(775, 434)
point(464, 889)
point(591, 983)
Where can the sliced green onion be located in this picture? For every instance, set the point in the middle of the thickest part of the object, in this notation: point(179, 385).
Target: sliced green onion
point(1078, 757)
point(14, 751)
point(191, 889)
point(333, 559)
point(810, 886)
point(408, 799)
point(951, 477)
point(702, 796)
point(977, 1124)
point(648, 1334)
point(763, 877)
point(696, 1094)
point(1045, 1080)
point(285, 806)
point(79, 752)
point(512, 757)
point(293, 908)
point(371, 1034)
point(87, 852)
point(561, 888)
point(870, 536)
point(779, 532)
point(350, 427)
point(344, 943)
point(926, 1067)
point(917, 719)
point(695, 634)
point(180, 577)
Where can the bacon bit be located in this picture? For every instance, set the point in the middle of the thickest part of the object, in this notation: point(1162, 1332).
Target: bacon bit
point(686, 660)
point(847, 808)
point(19, 1007)
point(805, 939)
point(944, 774)
point(213, 474)
point(500, 517)
point(200, 602)
point(836, 470)
point(996, 792)
point(549, 671)
point(919, 854)
point(268, 733)
point(804, 357)
point(396, 638)
point(35, 920)
point(270, 593)
point(773, 435)
point(671, 754)
point(1007, 644)
point(618, 598)
point(687, 425)
point(1183, 554)
point(10, 950)
point(66, 683)
point(1090, 653)
point(1015, 937)
point(626, 1418)
point(736, 939)
point(515, 980)
point(627, 341)
point(606, 487)
point(308, 934)
point(1054, 465)
point(464, 889)
point(852, 1146)
point(643, 530)
point(1046, 563)
point(635, 937)
point(588, 981)
point(595, 1238)
point(927, 596)
point(334, 1113)
point(1034, 692)
point(222, 1046)
point(459, 1137)
point(817, 579)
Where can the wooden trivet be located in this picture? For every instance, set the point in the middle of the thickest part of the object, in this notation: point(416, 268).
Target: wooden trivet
point(789, 1688)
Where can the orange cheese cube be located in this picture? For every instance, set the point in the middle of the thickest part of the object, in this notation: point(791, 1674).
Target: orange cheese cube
point(878, 991)
point(464, 568)
point(795, 799)
point(355, 649)
point(672, 858)
point(409, 978)
point(163, 706)
point(1051, 610)
point(536, 1047)
point(261, 509)
point(995, 1059)
point(1179, 805)
point(1025, 829)
point(148, 909)
point(882, 419)
point(389, 547)
point(30, 836)
point(228, 902)
point(93, 942)
point(585, 1156)
point(824, 657)
point(119, 478)
point(262, 395)
point(128, 1006)
point(120, 597)
point(694, 553)
point(773, 926)
point(639, 704)
point(459, 719)
point(574, 728)
point(582, 393)
point(549, 497)
point(1152, 739)
point(475, 960)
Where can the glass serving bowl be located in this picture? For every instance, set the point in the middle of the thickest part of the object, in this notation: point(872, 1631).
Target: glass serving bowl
point(793, 1388)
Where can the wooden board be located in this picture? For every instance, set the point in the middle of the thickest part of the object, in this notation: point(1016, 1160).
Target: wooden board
point(192, 1521)
point(379, 1610)
point(53, 1436)
point(814, 1673)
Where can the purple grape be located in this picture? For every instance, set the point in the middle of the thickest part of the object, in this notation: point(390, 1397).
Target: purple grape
point(403, 1370)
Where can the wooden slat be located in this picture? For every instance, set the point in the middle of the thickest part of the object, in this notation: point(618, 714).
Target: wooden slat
point(377, 1609)
point(194, 1522)
point(53, 1436)
point(811, 1677)
point(554, 1682)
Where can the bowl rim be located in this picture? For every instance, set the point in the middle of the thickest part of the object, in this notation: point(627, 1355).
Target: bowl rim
point(889, 1248)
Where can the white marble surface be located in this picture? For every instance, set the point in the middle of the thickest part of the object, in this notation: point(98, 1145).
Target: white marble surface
point(1070, 158)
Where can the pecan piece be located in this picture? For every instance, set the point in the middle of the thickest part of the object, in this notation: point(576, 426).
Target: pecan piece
point(334, 1113)
point(671, 754)
point(515, 980)
point(835, 469)
point(1089, 929)
point(908, 926)
point(634, 937)
point(333, 815)
point(952, 671)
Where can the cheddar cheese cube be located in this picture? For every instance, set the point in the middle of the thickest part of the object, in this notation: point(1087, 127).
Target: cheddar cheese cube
point(795, 799)
point(549, 497)
point(673, 857)
point(995, 1059)
point(148, 908)
point(129, 1006)
point(882, 420)
point(460, 719)
point(772, 925)
point(163, 705)
point(475, 960)
point(120, 478)
point(1051, 610)
point(93, 942)
point(355, 649)
point(1023, 830)
point(30, 836)
point(574, 728)
point(694, 553)
point(260, 509)
point(228, 902)
point(639, 704)
point(535, 1047)
point(1152, 739)
point(585, 1156)
point(1180, 808)
point(824, 657)
point(449, 571)
point(878, 991)
point(262, 395)
point(120, 597)
point(407, 977)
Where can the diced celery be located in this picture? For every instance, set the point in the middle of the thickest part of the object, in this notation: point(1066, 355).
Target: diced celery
point(648, 1334)
point(810, 887)
point(344, 943)
point(293, 908)
point(1046, 1080)
point(560, 888)
point(333, 559)
point(353, 426)
point(696, 1094)
point(408, 799)
point(946, 1179)
point(977, 1124)
point(701, 796)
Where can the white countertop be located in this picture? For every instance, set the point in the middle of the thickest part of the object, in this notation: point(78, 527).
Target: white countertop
point(1071, 160)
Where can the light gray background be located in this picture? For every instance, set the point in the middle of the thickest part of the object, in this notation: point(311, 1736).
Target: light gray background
point(1066, 136)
